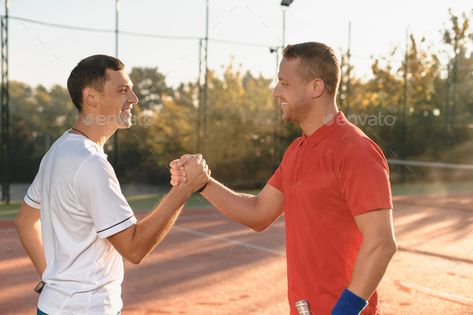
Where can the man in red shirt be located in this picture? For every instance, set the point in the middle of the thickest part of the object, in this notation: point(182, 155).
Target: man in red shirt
point(333, 188)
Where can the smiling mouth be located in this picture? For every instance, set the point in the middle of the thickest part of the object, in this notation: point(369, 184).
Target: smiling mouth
point(126, 110)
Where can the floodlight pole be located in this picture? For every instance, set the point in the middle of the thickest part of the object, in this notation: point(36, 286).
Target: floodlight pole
point(5, 110)
point(115, 136)
point(206, 81)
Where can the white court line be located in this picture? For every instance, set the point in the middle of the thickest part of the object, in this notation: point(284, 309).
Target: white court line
point(229, 240)
point(452, 297)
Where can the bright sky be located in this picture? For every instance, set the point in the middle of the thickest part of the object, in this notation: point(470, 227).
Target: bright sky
point(45, 55)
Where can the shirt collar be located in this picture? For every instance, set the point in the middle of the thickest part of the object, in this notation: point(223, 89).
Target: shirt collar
point(332, 124)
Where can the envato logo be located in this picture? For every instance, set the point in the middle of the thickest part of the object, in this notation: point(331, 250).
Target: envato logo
point(143, 120)
point(379, 120)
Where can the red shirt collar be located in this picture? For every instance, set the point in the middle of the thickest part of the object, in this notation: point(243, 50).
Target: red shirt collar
point(327, 128)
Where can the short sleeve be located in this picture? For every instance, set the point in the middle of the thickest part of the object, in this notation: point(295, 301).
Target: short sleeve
point(33, 195)
point(98, 192)
point(364, 179)
point(276, 179)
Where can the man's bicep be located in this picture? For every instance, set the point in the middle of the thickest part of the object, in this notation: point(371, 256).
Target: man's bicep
point(122, 240)
point(376, 225)
point(270, 202)
point(27, 213)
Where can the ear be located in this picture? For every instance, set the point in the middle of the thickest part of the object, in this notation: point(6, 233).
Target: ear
point(89, 97)
point(317, 87)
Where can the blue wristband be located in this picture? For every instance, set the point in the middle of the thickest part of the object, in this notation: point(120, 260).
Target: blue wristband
point(349, 304)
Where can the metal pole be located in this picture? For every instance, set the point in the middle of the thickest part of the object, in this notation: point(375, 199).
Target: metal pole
point(283, 27)
point(347, 95)
point(5, 110)
point(279, 123)
point(2, 108)
point(116, 27)
point(206, 79)
point(453, 112)
point(199, 109)
point(277, 110)
point(115, 136)
point(404, 107)
point(278, 120)
point(446, 107)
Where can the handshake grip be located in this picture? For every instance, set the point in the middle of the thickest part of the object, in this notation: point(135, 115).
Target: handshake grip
point(192, 171)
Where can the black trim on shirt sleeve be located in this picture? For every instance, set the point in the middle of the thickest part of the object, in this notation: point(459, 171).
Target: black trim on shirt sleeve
point(115, 224)
point(32, 199)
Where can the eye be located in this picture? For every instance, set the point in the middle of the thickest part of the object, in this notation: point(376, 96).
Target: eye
point(123, 91)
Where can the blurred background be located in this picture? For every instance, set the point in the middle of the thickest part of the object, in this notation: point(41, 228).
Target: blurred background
point(204, 72)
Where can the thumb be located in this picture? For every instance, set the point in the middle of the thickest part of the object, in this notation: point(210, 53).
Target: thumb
point(175, 164)
point(185, 158)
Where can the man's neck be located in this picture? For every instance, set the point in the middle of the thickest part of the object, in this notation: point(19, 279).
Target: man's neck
point(319, 116)
point(95, 133)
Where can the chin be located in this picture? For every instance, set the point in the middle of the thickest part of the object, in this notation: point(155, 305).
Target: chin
point(125, 124)
point(286, 117)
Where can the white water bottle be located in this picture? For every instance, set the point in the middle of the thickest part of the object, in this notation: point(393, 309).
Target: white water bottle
point(302, 307)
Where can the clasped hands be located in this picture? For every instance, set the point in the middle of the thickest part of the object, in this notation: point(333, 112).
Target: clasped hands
point(190, 170)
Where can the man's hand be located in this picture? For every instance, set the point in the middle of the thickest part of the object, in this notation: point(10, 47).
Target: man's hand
point(178, 173)
point(191, 171)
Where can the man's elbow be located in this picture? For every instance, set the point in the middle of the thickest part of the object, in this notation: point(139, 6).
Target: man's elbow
point(394, 247)
point(135, 260)
point(134, 256)
point(260, 226)
point(389, 247)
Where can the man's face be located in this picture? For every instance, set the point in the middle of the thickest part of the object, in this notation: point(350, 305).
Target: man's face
point(117, 99)
point(292, 91)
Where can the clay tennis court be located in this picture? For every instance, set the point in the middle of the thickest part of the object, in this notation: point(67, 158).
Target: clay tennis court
point(210, 265)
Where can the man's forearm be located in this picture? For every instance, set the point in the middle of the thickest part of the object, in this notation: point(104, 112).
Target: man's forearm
point(29, 232)
point(370, 267)
point(150, 231)
point(237, 206)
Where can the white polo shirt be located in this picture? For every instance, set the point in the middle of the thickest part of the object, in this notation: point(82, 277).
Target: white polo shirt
point(81, 204)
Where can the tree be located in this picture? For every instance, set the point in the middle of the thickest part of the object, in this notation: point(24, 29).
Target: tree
point(459, 72)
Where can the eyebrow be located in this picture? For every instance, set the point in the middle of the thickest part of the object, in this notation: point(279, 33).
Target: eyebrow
point(125, 85)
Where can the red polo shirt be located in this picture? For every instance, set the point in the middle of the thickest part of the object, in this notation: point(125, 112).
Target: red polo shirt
point(328, 178)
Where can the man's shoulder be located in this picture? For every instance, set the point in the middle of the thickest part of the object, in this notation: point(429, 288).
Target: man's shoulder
point(350, 135)
point(95, 162)
point(351, 141)
point(76, 153)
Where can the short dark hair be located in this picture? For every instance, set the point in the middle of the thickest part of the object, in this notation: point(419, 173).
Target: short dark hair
point(90, 72)
point(318, 61)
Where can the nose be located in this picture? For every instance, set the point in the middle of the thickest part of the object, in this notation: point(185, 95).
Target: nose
point(276, 91)
point(133, 98)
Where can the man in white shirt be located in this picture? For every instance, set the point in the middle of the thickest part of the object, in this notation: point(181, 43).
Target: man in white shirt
point(74, 222)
